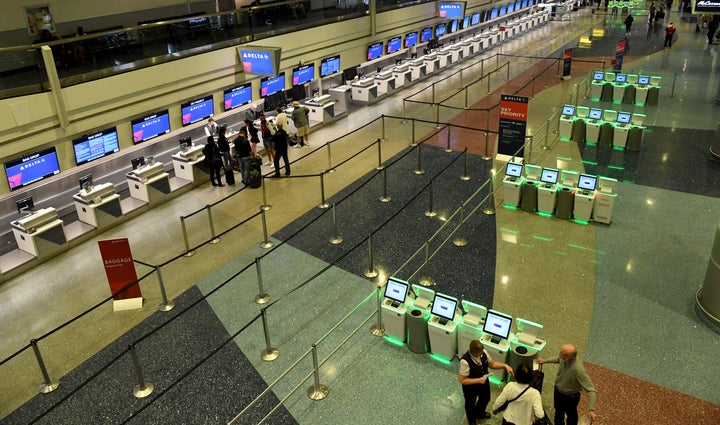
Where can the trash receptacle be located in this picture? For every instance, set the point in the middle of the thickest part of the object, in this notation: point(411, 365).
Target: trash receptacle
point(417, 329)
point(529, 197)
point(521, 355)
point(565, 203)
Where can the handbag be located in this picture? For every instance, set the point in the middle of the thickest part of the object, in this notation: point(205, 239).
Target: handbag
point(543, 421)
point(507, 402)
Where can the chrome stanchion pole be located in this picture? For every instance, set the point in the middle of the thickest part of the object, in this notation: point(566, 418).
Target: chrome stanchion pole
point(419, 169)
point(337, 238)
point(486, 156)
point(437, 117)
point(371, 271)
point(459, 239)
point(379, 145)
point(48, 384)
point(545, 146)
point(266, 243)
point(317, 391)
point(378, 329)
point(330, 167)
point(427, 280)
point(261, 297)
point(323, 203)
point(490, 209)
point(431, 211)
point(465, 177)
point(447, 144)
point(269, 353)
point(165, 305)
point(265, 206)
point(412, 134)
point(466, 98)
point(383, 126)
point(385, 197)
point(143, 388)
point(188, 252)
point(212, 226)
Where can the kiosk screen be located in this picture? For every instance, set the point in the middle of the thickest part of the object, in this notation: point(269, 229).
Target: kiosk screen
point(426, 34)
point(643, 79)
point(623, 117)
point(568, 110)
point(498, 325)
point(598, 76)
point(595, 114)
point(620, 78)
point(587, 182)
point(25, 205)
point(396, 290)
point(549, 176)
point(513, 169)
point(86, 182)
point(444, 307)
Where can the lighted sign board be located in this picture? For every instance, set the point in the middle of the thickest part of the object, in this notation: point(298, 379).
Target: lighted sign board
point(374, 51)
point(411, 39)
point(260, 60)
point(237, 96)
point(451, 10)
point(303, 74)
point(426, 34)
point(197, 110)
point(393, 45)
point(272, 85)
point(97, 145)
point(29, 169)
point(150, 126)
point(329, 66)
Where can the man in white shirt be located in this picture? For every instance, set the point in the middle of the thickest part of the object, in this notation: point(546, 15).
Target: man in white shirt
point(211, 129)
point(281, 119)
point(474, 376)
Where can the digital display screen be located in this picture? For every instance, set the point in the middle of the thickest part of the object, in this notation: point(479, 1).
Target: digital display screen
point(237, 96)
point(411, 39)
point(518, 5)
point(485, 15)
point(394, 44)
point(329, 66)
point(150, 126)
point(568, 110)
point(396, 289)
point(260, 60)
point(272, 85)
point(451, 10)
point(598, 76)
point(94, 146)
point(444, 307)
point(303, 74)
point(375, 50)
point(623, 118)
point(475, 19)
point(503, 10)
point(497, 324)
point(197, 110)
point(524, 4)
point(513, 169)
point(453, 26)
point(511, 8)
point(549, 176)
point(494, 13)
point(440, 30)
point(620, 78)
point(643, 79)
point(32, 168)
point(466, 22)
point(587, 182)
point(595, 114)
point(426, 34)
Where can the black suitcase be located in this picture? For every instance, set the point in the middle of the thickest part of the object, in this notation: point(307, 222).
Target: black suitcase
point(537, 378)
point(229, 176)
point(254, 172)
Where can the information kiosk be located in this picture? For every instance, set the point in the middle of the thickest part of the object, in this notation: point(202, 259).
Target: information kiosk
point(642, 89)
point(98, 205)
point(585, 197)
point(567, 118)
point(566, 195)
point(512, 184)
point(525, 345)
point(547, 190)
point(496, 334)
point(442, 326)
point(528, 198)
point(592, 126)
point(607, 128)
point(596, 86)
point(619, 87)
point(636, 132)
point(622, 127)
point(39, 233)
point(149, 182)
point(394, 309)
point(186, 162)
point(418, 314)
point(470, 326)
point(364, 91)
point(605, 200)
point(579, 128)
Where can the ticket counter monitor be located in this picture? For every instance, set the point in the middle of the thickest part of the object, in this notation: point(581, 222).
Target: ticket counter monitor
point(619, 87)
point(394, 308)
point(442, 326)
point(607, 89)
point(512, 183)
point(630, 87)
point(432, 62)
point(547, 191)
point(653, 93)
point(636, 132)
point(39, 233)
point(622, 127)
point(593, 125)
point(579, 127)
point(605, 200)
point(418, 314)
point(97, 205)
point(585, 197)
point(149, 182)
point(528, 197)
point(606, 129)
point(470, 325)
point(364, 91)
point(566, 194)
point(525, 344)
point(596, 86)
point(567, 118)
point(186, 163)
point(385, 82)
point(642, 89)
point(496, 334)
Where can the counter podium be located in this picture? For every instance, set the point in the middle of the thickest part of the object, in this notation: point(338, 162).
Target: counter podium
point(99, 206)
point(186, 161)
point(364, 91)
point(149, 182)
point(39, 233)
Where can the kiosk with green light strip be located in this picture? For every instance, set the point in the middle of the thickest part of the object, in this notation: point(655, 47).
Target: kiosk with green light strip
point(442, 326)
point(512, 183)
point(525, 344)
point(496, 334)
point(393, 308)
point(470, 326)
point(418, 315)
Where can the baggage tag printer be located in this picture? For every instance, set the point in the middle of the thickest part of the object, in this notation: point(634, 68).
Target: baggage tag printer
point(527, 338)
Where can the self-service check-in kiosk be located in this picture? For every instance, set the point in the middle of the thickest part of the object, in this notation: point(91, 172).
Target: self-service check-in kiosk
point(418, 314)
point(579, 131)
point(636, 132)
point(593, 123)
point(607, 90)
point(525, 344)
point(186, 161)
point(97, 205)
point(470, 326)
point(364, 90)
point(605, 200)
point(566, 194)
point(547, 190)
point(496, 334)
point(585, 197)
point(619, 87)
point(385, 82)
point(596, 86)
point(528, 197)
point(630, 88)
point(442, 326)
point(341, 96)
point(567, 118)
point(653, 93)
point(642, 89)
point(40, 232)
point(622, 127)
point(512, 184)
point(148, 182)
point(394, 308)
point(607, 128)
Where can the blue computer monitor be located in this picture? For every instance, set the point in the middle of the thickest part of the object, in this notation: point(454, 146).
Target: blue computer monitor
point(595, 114)
point(620, 78)
point(623, 117)
point(598, 76)
point(587, 182)
point(475, 19)
point(396, 290)
point(513, 169)
point(426, 34)
point(568, 110)
point(549, 175)
point(643, 79)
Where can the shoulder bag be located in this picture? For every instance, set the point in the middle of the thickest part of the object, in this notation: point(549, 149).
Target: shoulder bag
point(507, 402)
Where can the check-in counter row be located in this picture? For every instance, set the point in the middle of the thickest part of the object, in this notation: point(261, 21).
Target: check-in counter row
point(609, 128)
point(625, 88)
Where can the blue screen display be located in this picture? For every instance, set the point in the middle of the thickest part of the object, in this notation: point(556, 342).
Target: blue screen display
point(272, 85)
point(32, 168)
point(524, 4)
point(257, 62)
point(197, 110)
point(503, 9)
point(411, 39)
point(329, 66)
point(494, 13)
point(440, 30)
point(375, 50)
point(451, 10)
point(510, 7)
point(394, 44)
point(453, 26)
point(94, 146)
point(466, 22)
point(237, 96)
point(475, 19)
point(425, 35)
point(153, 125)
point(303, 74)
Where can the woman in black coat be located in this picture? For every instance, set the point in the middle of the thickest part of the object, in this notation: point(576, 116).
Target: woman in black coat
point(213, 161)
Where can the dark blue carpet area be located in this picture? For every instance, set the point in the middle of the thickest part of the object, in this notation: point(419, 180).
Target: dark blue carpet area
point(463, 272)
point(211, 394)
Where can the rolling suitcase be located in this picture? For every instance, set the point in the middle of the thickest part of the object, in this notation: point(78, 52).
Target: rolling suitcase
point(254, 172)
point(229, 175)
point(537, 378)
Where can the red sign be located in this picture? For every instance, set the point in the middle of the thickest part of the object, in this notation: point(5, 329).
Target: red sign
point(120, 268)
point(502, 28)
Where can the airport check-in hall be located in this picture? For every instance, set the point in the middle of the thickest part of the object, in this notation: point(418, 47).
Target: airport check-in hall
point(133, 290)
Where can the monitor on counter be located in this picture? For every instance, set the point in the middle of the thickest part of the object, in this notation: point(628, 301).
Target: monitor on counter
point(503, 10)
point(643, 79)
point(587, 182)
point(568, 110)
point(237, 96)
point(513, 169)
point(510, 7)
point(185, 142)
point(498, 325)
point(272, 85)
point(393, 45)
point(374, 51)
point(444, 307)
point(151, 126)
point(620, 78)
point(595, 114)
point(329, 66)
point(32, 168)
point(598, 76)
point(475, 19)
point(465, 22)
point(197, 110)
point(494, 13)
point(86, 182)
point(453, 26)
point(25, 205)
point(549, 175)
point(426, 34)
point(624, 117)
point(411, 39)
point(396, 290)
point(440, 30)
point(303, 74)
point(97, 145)
point(137, 162)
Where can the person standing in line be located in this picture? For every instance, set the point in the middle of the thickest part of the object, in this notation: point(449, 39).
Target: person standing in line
point(525, 403)
point(669, 32)
point(651, 17)
point(224, 146)
point(252, 135)
point(252, 113)
point(213, 160)
point(211, 128)
point(571, 379)
point(267, 139)
point(473, 376)
point(281, 120)
point(300, 119)
point(628, 23)
point(243, 152)
point(280, 140)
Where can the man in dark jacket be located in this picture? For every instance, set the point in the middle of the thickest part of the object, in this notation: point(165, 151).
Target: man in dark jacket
point(280, 140)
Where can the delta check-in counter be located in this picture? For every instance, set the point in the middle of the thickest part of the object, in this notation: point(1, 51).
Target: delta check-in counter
point(99, 206)
point(149, 183)
point(40, 233)
point(186, 163)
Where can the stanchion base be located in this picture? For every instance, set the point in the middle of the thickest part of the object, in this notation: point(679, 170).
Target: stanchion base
point(545, 147)
point(430, 213)
point(413, 144)
point(266, 244)
point(427, 281)
point(143, 392)
point(270, 355)
point(385, 199)
point(331, 170)
point(167, 306)
point(215, 241)
point(380, 167)
point(318, 393)
point(465, 178)
point(448, 150)
point(265, 207)
point(489, 211)
point(419, 172)
point(371, 273)
point(189, 253)
point(336, 240)
point(45, 388)
point(262, 299)
point(324, 206)
point(376, 330)
point(486, 158)
point(460, 242)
